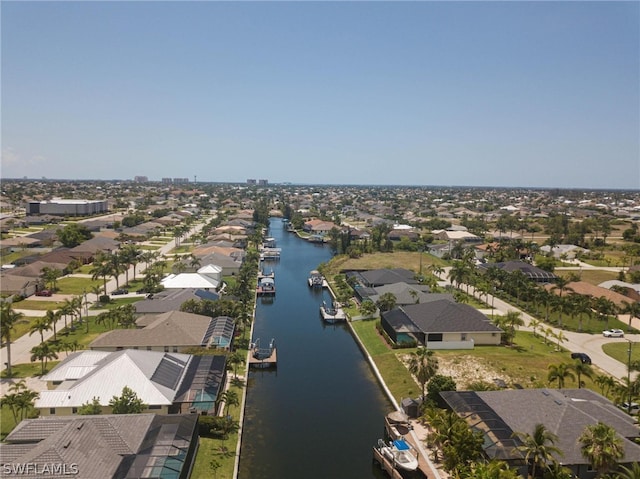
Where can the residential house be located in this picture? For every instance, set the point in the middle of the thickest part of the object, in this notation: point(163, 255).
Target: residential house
point(207, 277)
point(167, 383)
point(173, 331)
point(440, 324)
point(113, 446)
point(172, 299)
point(564, 412)
point(531, 272)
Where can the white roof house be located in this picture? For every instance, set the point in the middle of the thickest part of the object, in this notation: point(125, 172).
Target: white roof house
point(154, 376)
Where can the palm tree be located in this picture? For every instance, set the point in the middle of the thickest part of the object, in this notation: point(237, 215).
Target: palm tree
point(512, 319)
point(538, 448)
point(632, 309)
point(8, 320)
point(101, 269)
point(43, 352)
point(602, 447)
point(40, 325)
point(386, 302)
point(605, 383)
point(582, 369)
point(235, 359)
point(535, 324)
point(632, 472)
point(423, 366)
point(559, 372)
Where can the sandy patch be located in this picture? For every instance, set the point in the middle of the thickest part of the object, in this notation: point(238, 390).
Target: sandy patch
point(465, 370)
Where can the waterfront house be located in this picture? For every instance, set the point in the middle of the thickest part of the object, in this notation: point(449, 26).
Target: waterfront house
point(167, 383)
point(564, 412)
point(113, 446)
point(174, 331)
point(440, 324)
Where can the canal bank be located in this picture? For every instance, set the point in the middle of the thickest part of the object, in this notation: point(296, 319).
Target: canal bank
point(319, 413)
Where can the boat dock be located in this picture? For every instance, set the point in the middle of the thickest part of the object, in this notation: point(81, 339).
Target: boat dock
point(386, 465)
point(333, 313)
point(263, 357)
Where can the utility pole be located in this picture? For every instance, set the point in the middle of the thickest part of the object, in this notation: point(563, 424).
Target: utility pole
point(629, 377)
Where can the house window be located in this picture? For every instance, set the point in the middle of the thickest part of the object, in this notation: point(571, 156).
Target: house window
point(135, 347)
point(166, 349)
point(74, 410)
point(52, 411)
point(148, 348)
point(434, 337)
point(463, 337)
point(154, 406)
point(175, 349)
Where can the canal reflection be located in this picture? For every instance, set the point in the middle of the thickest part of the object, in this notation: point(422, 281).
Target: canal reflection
point(319, 414)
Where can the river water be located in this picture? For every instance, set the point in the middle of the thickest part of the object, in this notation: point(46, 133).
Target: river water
point(320, 412)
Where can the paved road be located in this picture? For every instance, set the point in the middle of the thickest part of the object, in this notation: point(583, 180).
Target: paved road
point(21, 347)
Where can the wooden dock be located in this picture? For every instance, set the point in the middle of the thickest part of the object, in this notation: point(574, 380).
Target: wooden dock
point(385, 464)
point(263, 357)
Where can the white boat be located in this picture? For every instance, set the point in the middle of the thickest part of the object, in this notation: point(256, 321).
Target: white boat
point(399, 452)
point(315, 279)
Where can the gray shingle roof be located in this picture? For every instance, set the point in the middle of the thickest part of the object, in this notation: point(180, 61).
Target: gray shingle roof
point(444, 316)
point(102, 447)
point(564, 412)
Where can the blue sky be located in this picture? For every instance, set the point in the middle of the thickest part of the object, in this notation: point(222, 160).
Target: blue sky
point(537, 94)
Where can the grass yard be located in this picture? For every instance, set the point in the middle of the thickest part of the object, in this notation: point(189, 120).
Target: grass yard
point(399, 259)
point(38, 305)
point(590, 276)
point(73, 285)
point(7, 422)
point(526, 363)
point(219, 451)
point(620, 351)
point(31, 370)
point(22, 326)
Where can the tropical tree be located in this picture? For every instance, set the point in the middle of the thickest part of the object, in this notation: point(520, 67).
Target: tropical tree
point(582, 369)
point(235, 359)
point(632, 309)
point(367, 308)
point(50, 277)
point(386, 302)
point(127, 403)
point(423, 365)
point(560, 372)
point(90, 408)
point(230, 398)
point(44, 352)
point(101, 269)
point(493, 469)
point(538, 448)
point(8, 320)
point(602, 447)
point(513, 319)
point(632, 472)
point(40, 325)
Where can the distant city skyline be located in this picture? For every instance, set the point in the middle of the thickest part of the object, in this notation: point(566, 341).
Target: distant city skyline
point(486, 94)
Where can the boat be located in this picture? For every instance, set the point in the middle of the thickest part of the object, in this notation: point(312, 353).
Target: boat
point(315, 279)
point(332, 313)
point(266, 286)
point(400, 453)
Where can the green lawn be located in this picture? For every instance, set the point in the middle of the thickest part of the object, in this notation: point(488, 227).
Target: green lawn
point(210, 450)
point(72, 285)
point(620, 351)
point(30, 370)
point(22, 326)
point(38, 305)
point(525, 363)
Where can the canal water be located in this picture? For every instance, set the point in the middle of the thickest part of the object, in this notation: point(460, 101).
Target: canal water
point(320, 412)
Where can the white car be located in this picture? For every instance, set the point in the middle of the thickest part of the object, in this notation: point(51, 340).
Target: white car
point(613, 333)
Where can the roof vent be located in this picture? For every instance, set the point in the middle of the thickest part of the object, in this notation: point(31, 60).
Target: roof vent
point(67, 444)
point(79, 426)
